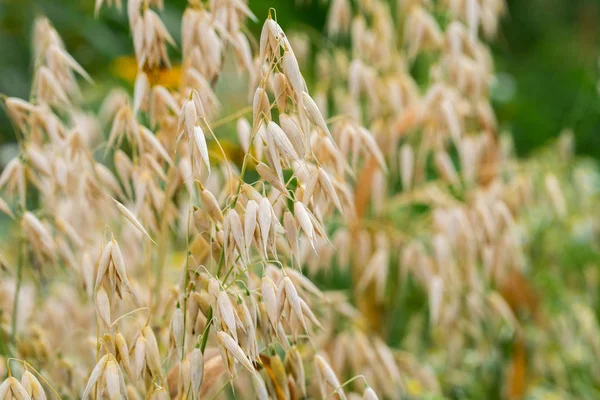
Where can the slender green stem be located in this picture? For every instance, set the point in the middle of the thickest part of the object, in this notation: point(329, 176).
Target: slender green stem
point(231, 117)
point(221, 259)
point(220, 390)
point(230, 270)
point(349, 381)
point(207, 330)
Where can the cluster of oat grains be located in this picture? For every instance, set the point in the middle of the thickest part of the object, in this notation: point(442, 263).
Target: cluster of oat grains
point(163, 269)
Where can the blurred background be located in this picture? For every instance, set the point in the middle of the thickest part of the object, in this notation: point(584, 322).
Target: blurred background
point(546, 58)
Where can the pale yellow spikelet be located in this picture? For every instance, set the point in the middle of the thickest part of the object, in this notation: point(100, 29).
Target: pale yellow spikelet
point(407, 166)
point(260, 388)
point(449, 111)
point(97, 372)
point(5, 389)
point(188, 118)
point(152, 353)
point(177, 328)
point(139, 355)
point(269, 290)
point(243, 51)
point(339, 17)
point(200, 142)
point(250, 222)
point(123, 353)
point(211, 205)
point(155, 144)
point(280, 374)
point(112, 381)
point(294, 363)
point(108, 180)
point(281, 141)
point(119, 264)
point(270, 176)
point(308, 313)
point(446, 167)
point(201, 220)
point(49, 90)
point(104, 263)
point(294, 134)
point(369, 394)
point(184, 384)
point(33, 386)
point(235, 224)
point(304, 220)
point(244, 131)
point(328, 375)
point(17, 390)
point(436, 295)
point(373, 148)
point(38, 232)
point(234, 350)
point(293, 75)
point(329, 188)
point(280, 89)
point(291, 230)
point(261, 107)
point(103, 306)
point(132, 393)
point(141, 89)
point(265, 221)
point(267, 36)
point(196, 371)
point(131, 218)
point(227, 313)
point(293, 299)
point(473, 17)
point(314, 114)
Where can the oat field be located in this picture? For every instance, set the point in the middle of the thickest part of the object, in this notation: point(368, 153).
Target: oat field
point(293, 215)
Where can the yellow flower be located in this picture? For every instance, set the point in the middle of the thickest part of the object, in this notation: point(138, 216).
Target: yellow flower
point(126, 68)
point(232, 151)
point(414, 387)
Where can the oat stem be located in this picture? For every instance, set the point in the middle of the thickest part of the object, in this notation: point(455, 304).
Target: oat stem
point(231, 117)
point(349, 381)
point(206, 330)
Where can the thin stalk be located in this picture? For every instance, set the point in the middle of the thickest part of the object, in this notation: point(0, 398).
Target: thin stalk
point(205, 335)
point(221, 259)
point(231, 117)
point(349, 381)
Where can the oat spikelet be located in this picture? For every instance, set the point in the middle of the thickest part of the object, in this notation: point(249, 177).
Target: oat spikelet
point(234, 350)
point(131, 218)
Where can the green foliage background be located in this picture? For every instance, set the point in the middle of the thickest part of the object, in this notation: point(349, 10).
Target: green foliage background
point(546, 56)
